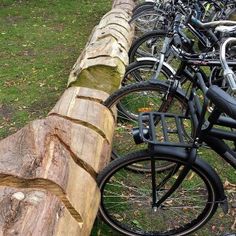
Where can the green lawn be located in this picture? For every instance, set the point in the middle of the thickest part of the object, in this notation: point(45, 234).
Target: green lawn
point(40, 41)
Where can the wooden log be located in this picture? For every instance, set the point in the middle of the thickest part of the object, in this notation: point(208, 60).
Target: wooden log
point(62, 155)
point(48, 168)
point(37, 212)
point(125, 5)
point(34, 212)
point(103, 61)
point(95, 122)
point(86, 112)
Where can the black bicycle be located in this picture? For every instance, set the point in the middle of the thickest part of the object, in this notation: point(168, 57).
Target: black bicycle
point(150, 16)
point(180, 199)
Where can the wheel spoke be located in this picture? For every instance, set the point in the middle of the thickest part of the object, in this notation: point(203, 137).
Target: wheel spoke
point(127, 198)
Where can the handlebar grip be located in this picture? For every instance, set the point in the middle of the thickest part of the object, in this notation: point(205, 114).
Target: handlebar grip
point(177, 41)
point(177, 19)
point(176, 37)
point(231, 79)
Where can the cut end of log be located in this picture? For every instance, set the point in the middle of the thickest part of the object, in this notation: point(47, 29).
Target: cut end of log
point(33, 212)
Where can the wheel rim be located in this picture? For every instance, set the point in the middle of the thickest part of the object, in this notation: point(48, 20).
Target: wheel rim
point(126, 203)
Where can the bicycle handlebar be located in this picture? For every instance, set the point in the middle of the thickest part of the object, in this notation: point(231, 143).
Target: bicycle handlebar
point(212, 24)
point(176, 37)
point(228, 73)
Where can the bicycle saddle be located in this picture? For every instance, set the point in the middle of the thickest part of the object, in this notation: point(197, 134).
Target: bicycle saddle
point(222, 100)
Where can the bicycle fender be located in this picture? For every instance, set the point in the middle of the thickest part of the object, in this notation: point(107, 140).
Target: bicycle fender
point(179, 90)
point(217, 183)
point(170, 68)
point(205, 168)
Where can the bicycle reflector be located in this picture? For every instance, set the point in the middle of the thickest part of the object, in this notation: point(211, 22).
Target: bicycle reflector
point(137, 137)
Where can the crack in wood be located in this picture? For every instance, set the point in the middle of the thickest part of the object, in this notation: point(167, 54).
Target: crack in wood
point(90, 99)
point(117, 12)
point(106, 56)
point(113, 23)
point(106, 35)
point(42, 184)
point(100, 101)
point(89, 169)
point(124, 18)
point(122, 35)
point(120, 5)
point(83, 123)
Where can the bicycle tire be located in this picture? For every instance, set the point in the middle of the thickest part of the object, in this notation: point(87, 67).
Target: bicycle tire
point(140, 7)
point(146, 45)
point(143, 70)
point(125, 198)
point(147, 20)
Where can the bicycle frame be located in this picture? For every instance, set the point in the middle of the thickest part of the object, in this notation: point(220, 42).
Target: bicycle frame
point(205, 132)
point(204, 129)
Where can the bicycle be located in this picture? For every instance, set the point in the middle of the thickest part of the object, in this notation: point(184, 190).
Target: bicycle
point(181, 199)
point(149, 43)
point(151, 16)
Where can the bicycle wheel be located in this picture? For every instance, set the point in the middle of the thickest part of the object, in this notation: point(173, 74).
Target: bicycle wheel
point(147, 20)
point(141, 97)
point(148, 45)
point(143, 70)
point(126, 197)
point(138, 8)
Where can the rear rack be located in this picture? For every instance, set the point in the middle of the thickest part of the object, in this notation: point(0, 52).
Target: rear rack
point(155, 129)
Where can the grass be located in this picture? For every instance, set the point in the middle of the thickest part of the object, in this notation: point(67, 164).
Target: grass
point(40, 41)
